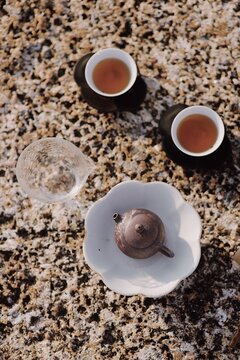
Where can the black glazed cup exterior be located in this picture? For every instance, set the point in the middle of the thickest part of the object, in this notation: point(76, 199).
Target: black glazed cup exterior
point(129, 101)
point(214, 160)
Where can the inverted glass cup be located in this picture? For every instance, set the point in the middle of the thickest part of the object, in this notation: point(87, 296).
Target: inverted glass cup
point(110, 53)
point(202, 110)
point(52, 170)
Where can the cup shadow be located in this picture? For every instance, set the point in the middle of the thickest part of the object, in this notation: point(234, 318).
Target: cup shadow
point(129, 101)
point(214, 160)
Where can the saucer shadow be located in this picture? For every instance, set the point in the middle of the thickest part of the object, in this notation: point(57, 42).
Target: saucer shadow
point(159, 270)
point(203, 310)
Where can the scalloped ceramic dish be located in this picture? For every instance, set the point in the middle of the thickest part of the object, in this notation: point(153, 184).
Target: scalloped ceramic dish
point(157, 275)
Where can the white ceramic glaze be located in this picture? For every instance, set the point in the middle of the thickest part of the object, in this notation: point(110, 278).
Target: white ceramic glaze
point(157, 275)
point(203, 110)
point(106, 54)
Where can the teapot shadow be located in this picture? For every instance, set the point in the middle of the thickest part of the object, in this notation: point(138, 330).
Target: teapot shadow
point(158, 269)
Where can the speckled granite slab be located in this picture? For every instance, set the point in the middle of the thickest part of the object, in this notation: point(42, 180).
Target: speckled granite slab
point(52, 306)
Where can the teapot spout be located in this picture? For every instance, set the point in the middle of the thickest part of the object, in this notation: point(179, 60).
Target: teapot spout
point(165, 251)
point(117, 218)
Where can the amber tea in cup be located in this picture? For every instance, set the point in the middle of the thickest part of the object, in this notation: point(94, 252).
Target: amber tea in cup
point(111, 72)
point(197, 131)
point(111, 75)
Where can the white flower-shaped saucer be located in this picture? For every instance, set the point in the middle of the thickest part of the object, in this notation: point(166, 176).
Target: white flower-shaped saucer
point(155, 276)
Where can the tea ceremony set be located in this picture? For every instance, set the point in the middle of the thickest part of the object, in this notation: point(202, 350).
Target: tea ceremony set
point(119, 180)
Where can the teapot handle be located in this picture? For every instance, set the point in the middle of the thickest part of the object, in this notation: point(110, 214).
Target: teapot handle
point(165, 251)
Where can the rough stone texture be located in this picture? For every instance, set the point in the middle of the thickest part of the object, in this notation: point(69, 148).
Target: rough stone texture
point(52, 306)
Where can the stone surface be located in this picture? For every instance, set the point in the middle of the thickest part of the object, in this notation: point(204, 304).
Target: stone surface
point(52, 306)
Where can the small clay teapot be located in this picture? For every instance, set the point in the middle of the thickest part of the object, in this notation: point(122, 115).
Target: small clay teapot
point(140, 233)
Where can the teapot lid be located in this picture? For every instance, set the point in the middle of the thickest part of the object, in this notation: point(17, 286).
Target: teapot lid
point(140, 229)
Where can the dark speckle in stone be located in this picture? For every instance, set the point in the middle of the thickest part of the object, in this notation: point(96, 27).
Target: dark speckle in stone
point(88, 300)
point(77, 133)
point(127, 29)
point(94, 317)
point(61, 72)
point(58, 95)
point(26, 300)
point(234, 107)
point(147, 34)
point(34, 339)
point(61, 311)
point(73, 119)
point(67, 104)
point(22, 130)
point(237, 8)
point(28, 15)
point(2, 173)
point(43, 232)
point(47, 42)
point(21, 97)
point(6, 254)
point(108, 338)
point(34, 320)
point(22, 232)
point(48, 54)
point(77, 343)
point(234, 74)
point(67, 28)
point(200, 338)
point(121, 45)
point(83, 279)
point(5, 329)
point(4, 218)
point(57, 22)
point(60, 284)
point(11, 298)
point(14, 178)
point(114, 307)
point(166, 348)
point(236, 305)
point(138, 2)
point(2, 10)
point(81, 309)
point(30, 279)
point(62, 253)
point(217, 342)
point(186, 191)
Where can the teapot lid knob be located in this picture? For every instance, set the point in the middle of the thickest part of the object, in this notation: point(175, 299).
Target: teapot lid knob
point(139, 228)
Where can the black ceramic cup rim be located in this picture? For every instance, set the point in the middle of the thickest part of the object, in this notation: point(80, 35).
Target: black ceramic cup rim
point(203, 110)
point(106, 54)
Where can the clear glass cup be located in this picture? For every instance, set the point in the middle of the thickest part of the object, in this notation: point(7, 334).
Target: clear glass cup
point(53, 170)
